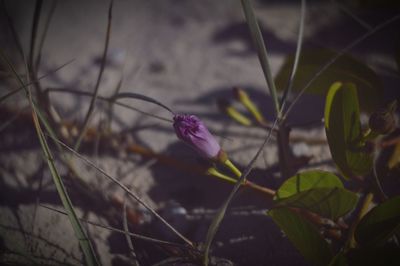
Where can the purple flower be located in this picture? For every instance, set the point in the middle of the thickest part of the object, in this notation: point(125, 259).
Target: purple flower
point(193, 132)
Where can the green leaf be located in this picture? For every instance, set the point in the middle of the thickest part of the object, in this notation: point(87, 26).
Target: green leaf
point(303, 235)
point(307, 180)
point(343, 130)
point(346, 68)
point(317, 191)
point(327, 202)
point(380, 223)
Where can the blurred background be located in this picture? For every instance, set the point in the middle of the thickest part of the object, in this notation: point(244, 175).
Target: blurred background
point(186, 54)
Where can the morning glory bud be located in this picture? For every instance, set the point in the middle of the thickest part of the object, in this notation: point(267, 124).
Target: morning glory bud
point(194, 133)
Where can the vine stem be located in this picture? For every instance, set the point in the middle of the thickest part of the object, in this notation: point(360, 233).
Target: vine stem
point(246, 183)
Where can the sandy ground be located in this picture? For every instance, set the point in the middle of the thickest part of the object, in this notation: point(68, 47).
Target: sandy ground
point(185, 54)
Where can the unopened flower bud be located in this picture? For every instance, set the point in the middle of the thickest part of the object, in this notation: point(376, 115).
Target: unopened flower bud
point(193, 132)
point(383, 121)
point(227, 108)
point(242, 96)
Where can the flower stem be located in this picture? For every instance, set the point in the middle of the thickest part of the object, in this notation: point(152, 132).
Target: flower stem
point(265, 190)
point(214, 172)
point(232, 167)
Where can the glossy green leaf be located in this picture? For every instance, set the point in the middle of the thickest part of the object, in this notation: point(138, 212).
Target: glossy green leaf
point(343, 130)
point(370, 88)
point(307, 180)
point(380, 223)
point(328, 202)
point(303, 235)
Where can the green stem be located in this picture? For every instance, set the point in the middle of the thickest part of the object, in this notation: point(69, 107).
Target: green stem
point(214, 172)
point(270, 192)
point(284, 151)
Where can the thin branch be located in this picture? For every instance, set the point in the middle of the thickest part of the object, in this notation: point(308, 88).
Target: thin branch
point(345, 10)
point(222, 210)
point(125, 188)
point(116, 230)
point(96, 88)
point(89, 94)
point(5, 96)
point(333, 60)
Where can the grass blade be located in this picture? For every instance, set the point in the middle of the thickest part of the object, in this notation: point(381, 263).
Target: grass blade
point(297, 56)
point(35, 23)
point(42, 39)
point(89, 94)
point(84, 242)
point(128, 238)
point(261, 49)
point(212, 230)
point(5, 96)
point(125, 188)
point(96, 88)
point(140, 97)
point(110, 111)
point(136, 236)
